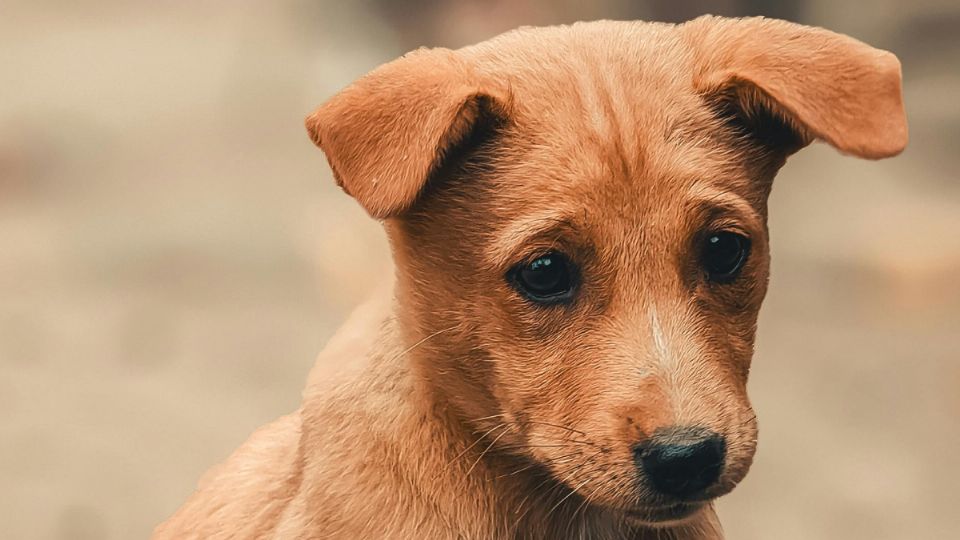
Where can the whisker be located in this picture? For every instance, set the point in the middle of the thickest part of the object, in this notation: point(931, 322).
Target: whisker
point(558, 426)
point(485, 450)
point(492, 416)
point(421, 342)
point(522, 469)
point(583, 505)
point(480, 438)
point(532, 491)
point(531, 446)
point(554, 461)
point(568, 495)
point(537, 422)
point(559, 484)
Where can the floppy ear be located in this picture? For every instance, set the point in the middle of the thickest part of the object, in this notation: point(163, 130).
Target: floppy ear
point(388, 132)
point(818, 83)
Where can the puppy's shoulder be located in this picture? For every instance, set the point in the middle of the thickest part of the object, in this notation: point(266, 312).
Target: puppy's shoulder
point(244, 496)
point(366, 334)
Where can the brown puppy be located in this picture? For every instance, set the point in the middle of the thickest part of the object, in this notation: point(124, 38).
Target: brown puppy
point(578, 220)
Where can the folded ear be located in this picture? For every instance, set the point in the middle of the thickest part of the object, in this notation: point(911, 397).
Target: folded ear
point(388, 132)
point(818, 83)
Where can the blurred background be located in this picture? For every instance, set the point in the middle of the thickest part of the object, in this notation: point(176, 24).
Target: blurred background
point(174, 253)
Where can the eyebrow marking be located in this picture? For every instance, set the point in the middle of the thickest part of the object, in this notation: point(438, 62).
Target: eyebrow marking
point(520, 233)
point(708, 199)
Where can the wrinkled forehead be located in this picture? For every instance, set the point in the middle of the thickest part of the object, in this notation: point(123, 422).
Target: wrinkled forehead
point(596, 73)
point(588, 179)
point(608, 105)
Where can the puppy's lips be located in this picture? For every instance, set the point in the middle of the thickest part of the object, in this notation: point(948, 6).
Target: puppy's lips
point(663, 516)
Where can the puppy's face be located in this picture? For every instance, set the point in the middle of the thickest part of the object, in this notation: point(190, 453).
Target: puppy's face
point(580, 234)
point(603, 262)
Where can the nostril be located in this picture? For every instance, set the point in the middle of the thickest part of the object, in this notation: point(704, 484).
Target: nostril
point(682, 462)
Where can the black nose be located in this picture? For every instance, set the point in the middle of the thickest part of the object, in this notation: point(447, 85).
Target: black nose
point(682, 462)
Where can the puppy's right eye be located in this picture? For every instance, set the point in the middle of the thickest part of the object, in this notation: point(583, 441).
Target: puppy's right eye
point(548, 279)
point(723, 255)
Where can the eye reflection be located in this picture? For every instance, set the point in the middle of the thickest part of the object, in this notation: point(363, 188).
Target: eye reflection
point(547, 279)
point(723, 255)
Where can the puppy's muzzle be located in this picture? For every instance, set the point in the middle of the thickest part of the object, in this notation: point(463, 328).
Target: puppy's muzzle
point(681, 462)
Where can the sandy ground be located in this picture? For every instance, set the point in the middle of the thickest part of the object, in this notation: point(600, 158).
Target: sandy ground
point(173, 253)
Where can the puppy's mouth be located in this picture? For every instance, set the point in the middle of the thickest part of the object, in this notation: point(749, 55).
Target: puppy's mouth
point(664, 516)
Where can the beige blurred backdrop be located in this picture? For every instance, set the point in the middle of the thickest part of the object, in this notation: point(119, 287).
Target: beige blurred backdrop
point(173, 254)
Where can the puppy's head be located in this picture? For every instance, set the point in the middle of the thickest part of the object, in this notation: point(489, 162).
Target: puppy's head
point(578, 216)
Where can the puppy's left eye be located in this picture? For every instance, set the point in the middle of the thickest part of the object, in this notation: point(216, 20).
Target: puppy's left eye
point(548, 279)
point(723, 254)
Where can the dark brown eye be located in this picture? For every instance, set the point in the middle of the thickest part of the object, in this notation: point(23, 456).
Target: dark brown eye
point(548, 279)
point(723, 254)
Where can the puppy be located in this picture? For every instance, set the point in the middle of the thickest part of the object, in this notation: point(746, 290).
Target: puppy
point(578, 220)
